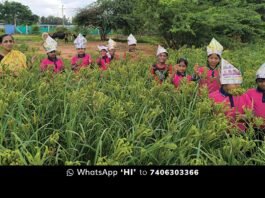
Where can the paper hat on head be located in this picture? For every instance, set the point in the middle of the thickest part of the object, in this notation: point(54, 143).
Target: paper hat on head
point(215, 48)
point(261, 71)
point(80, 41)
point(131, 40)
point(50, 44)
point(229, 74)
point(111, 44)
point(160, 50)
point(102, 47)
point(44, 34)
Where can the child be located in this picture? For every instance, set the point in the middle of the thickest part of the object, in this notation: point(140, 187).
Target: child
point(82, 59)
point(112, 50)
point(234, 105)
point(180, 73)
point(103, 61)
point(132, 53)
point(160, 71)
point(209, 76)
point(11, 60)
point(258, 95)
point(51, 62)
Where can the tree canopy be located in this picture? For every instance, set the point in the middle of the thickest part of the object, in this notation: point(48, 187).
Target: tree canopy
point(180, 22)
point(17, 13)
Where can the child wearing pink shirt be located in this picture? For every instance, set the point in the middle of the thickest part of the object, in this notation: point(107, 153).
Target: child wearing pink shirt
point(258, 96)
point(180, 73)
point(234, 105)
point(81, 60)
point(51, 62)
point(104, 60)
point(209, 76)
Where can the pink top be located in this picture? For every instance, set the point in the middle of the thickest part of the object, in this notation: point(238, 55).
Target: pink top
point(103, 63)
point(240, 103)
point(86, 60)
point(258, 105)
point(57, 66)
point(212, 83)
point(177, 79)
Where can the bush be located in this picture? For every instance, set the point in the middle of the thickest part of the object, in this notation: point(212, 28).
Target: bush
point(35, 29)
point(61, 29)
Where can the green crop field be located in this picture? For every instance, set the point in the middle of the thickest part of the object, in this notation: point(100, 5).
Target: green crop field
point(122, 117)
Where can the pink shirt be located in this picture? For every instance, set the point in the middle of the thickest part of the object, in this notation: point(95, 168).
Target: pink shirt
point(177, 79)
point(103, 63)
point(57, 66)
point(240, 103)
point(86, 60)
point(212, 83)
point(258, 105)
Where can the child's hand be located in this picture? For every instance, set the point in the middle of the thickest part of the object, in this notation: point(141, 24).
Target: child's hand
point(175, 68)
point(79, 62)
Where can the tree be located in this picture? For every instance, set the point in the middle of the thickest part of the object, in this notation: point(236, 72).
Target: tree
point(96, 15)
point(52, 20)
point(195, 22)
point(14, 12)
point(180, 22)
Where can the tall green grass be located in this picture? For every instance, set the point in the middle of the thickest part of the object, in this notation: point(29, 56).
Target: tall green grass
point(122, 117)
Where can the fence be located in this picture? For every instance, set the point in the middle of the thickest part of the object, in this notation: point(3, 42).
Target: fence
point(25, 29)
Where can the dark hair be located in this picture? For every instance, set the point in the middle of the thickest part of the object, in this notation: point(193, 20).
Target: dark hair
point(5, 35)
point(183, 60)
point(216, 55)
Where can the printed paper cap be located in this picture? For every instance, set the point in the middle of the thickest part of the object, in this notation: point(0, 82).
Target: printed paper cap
point(215, 48)
point(50, 44)
point(261, 71)
point(80, 41)
point(229, 74)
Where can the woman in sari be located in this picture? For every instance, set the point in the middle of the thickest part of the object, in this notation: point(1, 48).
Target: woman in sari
point(11, 61)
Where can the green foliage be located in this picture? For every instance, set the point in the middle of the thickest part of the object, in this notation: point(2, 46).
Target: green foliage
point(52, 20)
point(36, 29)
point(191, 22)
point(97, 15)
point(61, 29)
point(17, 13)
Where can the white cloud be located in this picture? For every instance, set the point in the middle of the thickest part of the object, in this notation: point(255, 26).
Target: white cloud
point(54, 7)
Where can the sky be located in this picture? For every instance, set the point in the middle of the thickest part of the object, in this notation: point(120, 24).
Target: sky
point(54, 7)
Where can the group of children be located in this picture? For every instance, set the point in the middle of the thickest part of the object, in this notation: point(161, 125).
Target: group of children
point(221, 79)
point(219, 76)
point(83, 59)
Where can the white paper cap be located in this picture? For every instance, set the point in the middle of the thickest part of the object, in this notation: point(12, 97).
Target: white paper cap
point(229, 74)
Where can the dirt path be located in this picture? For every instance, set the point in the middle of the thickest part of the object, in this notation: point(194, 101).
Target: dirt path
point(68, 50)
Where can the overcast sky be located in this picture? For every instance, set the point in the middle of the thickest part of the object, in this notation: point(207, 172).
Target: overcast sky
point(54, 7)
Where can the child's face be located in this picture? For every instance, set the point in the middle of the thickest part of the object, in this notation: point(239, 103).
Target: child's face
point(52, 54)
point(45, 36)
point(261, 83)
point(103, 52)
point(7, 43)
point(81, 50)
point(228, 88)
point(213, 60)
point(132, 48)
point(162, 58)
point(181, 67)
